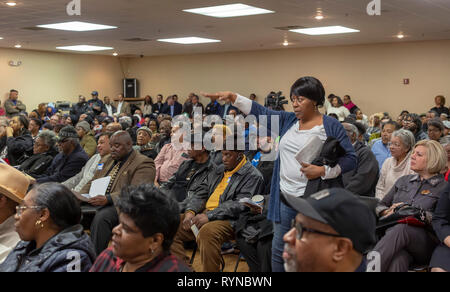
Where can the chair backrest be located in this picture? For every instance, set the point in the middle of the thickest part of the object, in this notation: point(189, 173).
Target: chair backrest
point(371, 202)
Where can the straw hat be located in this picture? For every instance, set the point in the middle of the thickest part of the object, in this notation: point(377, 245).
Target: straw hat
point(13, 183)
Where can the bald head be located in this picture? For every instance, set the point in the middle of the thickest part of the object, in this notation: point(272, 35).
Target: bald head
point(165, 127)
point(121, 145)
point(113, 127)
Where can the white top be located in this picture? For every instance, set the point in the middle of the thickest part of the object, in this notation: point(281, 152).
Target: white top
point(8, 238)
point(342, 112)
point(119, 107)
point(109, 109)
point(292, 182)
point(390, 173)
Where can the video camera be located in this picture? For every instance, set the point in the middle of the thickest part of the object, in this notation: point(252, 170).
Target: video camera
point(275, 101)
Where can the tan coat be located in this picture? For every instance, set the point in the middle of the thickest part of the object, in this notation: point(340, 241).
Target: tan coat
point(126, 108)
point(138, 169)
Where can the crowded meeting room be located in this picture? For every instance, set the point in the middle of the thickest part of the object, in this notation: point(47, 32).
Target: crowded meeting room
point(250, 136)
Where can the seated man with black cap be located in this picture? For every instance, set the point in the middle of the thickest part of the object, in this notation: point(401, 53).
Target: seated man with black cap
point(215, 206)
point(331, 233)
point(69, 161)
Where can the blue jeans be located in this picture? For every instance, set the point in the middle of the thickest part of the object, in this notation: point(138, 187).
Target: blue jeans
point(279, 230)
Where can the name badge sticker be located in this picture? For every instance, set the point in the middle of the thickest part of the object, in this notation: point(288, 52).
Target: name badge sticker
point(100, 166)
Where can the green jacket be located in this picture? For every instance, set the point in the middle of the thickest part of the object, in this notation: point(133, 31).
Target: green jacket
point(10, 110)
point(89, 144)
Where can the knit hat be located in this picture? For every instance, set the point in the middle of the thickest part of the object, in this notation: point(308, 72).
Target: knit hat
point(84, 125)
point(67, 132)
point(145, 129)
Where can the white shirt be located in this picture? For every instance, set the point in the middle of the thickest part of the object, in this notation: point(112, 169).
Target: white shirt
point(109, 109)
point(119, 107)
point(8, 238)
point(292, 182)
point(342, 112)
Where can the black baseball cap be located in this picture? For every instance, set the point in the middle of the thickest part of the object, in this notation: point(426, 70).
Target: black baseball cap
point(343, 211)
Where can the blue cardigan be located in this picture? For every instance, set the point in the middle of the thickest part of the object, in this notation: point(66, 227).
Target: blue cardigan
point(333, 128)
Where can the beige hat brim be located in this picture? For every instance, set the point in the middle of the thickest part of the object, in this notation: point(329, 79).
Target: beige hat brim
point(10, 195)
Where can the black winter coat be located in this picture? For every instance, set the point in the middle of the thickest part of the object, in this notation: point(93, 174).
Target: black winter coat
point(64, 167)
point(37, 164)
point(71, 250)
point(245, 183)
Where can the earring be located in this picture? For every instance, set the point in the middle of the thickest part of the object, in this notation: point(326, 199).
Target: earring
point(39, 223)
point(152, 251)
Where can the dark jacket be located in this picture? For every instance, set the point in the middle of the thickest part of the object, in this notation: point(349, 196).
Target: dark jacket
point(222, 112)
point(245, 183)
point(19, 148)
point(97, 106)
point(64, 167)
point(37, 164)
point(441, 216)
point(182, 189)
point(177, 110)
point(330, 154)
point(254, 227)
point(363, 180)
point(266, 169)
point(212, 108)
point(156, 108)
point(71, 250)
point(78, 109)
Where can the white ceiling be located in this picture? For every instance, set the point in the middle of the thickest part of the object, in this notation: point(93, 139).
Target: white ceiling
point(152, 19)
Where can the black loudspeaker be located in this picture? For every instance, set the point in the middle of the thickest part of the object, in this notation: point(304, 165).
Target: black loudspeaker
point(130, 88)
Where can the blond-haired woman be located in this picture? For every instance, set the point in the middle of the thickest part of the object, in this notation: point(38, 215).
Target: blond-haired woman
point(404, 245)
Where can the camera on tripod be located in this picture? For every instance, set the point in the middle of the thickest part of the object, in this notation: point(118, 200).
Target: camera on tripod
point(275, 101)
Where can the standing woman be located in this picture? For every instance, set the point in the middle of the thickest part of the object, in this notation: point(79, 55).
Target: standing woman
point(289, 177)
point(52, 240)
point(440, 106)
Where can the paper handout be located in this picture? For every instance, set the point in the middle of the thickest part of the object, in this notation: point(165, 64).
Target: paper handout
point(98, 187)
point(310, 150)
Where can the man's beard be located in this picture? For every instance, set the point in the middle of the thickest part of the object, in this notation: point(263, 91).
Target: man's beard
point(291, 264)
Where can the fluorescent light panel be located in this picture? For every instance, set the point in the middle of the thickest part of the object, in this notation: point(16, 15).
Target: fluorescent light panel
point(84, 48)
point(231, 10)
point(77, 26)
point(189, 40)
point(324, 30)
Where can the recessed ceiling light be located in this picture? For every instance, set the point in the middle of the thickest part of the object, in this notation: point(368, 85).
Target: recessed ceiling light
point(1, 38)
point(18, 46)
point(84, 48)
point(231, 10)
point(77, 26)
point(400, 36)
point(324, 30)
point(11, 4)
point(189, 40)
point(115, 54)
point(286, 43)
point(319, 17)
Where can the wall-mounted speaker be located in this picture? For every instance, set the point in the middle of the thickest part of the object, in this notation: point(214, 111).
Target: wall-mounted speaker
point(130, 88)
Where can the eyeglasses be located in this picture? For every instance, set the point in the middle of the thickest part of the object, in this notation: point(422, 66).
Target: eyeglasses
point(21, 209)
point(300, 229)
point(297, 99)
point(395, 145)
